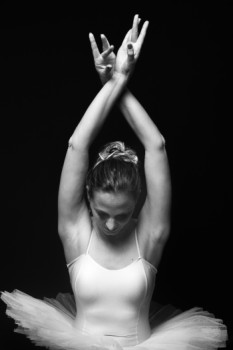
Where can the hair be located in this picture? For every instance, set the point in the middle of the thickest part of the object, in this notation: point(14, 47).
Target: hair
point(116, 169)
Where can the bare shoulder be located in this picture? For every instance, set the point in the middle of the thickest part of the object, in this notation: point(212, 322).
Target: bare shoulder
point(75, 237)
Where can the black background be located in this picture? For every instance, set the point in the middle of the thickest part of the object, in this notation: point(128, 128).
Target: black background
point(183, 79)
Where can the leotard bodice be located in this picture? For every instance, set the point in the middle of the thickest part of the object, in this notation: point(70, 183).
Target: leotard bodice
point(113, 302)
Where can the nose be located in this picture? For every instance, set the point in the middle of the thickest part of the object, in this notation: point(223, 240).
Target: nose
point(110, 224)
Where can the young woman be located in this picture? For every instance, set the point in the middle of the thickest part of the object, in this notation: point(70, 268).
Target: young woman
point(113, 258)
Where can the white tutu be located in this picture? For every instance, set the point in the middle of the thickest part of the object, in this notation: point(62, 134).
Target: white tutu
point(49, 323)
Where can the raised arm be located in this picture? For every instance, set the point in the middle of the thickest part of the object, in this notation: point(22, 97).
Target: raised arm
point(154, 219)
point(72, 209)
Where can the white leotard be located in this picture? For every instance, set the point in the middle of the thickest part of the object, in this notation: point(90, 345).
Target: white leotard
point(113, 302)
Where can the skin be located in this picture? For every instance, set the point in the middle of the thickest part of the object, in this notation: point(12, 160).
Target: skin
point(112, 214)
point(107, 63)
point(74, 222)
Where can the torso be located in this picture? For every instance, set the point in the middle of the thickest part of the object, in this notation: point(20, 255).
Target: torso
point(115, 257)
point(109, 256)
point(126, 291)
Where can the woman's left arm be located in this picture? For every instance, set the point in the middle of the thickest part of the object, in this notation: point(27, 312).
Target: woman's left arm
point(155, 214)
point(154, 218)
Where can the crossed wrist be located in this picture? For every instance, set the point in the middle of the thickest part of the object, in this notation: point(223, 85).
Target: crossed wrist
point(114, 76)
point(121, 76)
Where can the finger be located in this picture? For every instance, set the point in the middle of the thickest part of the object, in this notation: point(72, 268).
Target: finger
point(127, 37)
point(105, 42)
point(94, 46)
point(100, 66)
point(107, 52)
point(130, 51)
point(143, 33)
point(134, 35)
point(108, 67)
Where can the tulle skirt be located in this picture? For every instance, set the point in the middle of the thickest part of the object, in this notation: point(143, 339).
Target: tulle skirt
point(49, 323)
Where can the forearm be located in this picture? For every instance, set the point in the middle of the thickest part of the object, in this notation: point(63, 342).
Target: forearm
point(97, 112)
point(140, 121)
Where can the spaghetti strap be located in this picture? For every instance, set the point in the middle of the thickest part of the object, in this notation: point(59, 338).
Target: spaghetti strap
point(89, 243)
point(87, 251)
point(136, 238)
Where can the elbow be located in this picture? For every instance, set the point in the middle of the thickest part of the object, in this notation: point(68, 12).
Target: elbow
point(77, 144)
point(156, 143)
point(73, 143)
point(160, 142)
point(70, 143)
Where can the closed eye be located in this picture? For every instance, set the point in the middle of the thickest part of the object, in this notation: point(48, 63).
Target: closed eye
point(102, 215)
point(122, 217)
point(105, 216)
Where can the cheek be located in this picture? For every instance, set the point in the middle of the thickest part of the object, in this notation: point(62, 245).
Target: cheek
point(129, 217)
point(96, 217)
point(123, 222)
point(98, 221)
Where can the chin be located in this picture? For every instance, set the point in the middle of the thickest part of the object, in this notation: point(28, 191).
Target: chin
point(111, 233)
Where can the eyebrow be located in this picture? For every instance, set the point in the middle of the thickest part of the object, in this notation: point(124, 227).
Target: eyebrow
point(100, 211)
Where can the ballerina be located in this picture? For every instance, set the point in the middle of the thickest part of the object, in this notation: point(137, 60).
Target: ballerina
point(112, 258)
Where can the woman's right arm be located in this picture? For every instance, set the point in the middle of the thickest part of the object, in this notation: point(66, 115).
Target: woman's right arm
point(72, 210)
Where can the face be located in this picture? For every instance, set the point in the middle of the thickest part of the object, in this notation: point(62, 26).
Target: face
point(112, 211)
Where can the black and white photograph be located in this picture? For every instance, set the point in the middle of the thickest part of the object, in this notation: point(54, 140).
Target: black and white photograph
point(116, 164)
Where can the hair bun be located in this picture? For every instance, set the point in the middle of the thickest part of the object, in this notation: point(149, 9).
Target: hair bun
point(117, 149)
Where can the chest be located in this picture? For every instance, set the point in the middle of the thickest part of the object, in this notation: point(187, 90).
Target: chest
point(97, 284)
point(114, 256)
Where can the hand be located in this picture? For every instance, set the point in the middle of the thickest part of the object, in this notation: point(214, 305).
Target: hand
point(129, 51)
point(105, 61)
